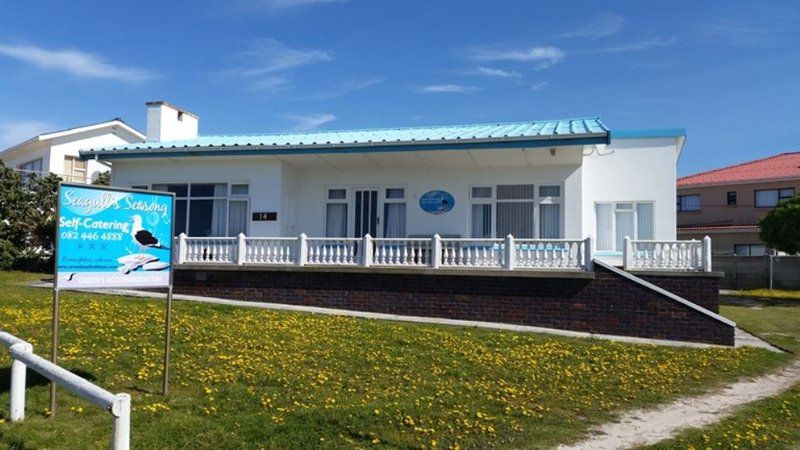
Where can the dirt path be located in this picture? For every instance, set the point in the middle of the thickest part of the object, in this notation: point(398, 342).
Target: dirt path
point(645, 427)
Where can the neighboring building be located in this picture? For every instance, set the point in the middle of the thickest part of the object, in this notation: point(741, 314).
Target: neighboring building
point(537, 179)
point(57, 152)
point(727, 203)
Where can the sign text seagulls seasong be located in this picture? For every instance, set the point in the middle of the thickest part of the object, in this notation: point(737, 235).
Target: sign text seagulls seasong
point(112, 238)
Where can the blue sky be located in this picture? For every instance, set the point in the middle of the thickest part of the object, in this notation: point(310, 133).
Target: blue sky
point(728, 72)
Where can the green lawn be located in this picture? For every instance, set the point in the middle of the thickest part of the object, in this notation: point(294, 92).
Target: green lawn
point(251, 378)
point(773, 423)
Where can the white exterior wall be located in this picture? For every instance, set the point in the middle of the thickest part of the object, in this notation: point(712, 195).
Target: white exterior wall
point(310, 207)
point(263, 176)
point(166, 123)
point(28, 153)
point(631, 170)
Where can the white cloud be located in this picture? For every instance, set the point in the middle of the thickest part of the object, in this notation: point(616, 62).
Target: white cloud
point(449, 89)
point(271, 55)
point(543, 56)
point(311, 121)
point(606, 24)
point(342, 89)
point(15, 132)
point(75, 62)
point(636, 46)
point(539, 86)
point(493, 72)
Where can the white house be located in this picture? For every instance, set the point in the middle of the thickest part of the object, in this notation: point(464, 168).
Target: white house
point(57, 152)
point(550, 179)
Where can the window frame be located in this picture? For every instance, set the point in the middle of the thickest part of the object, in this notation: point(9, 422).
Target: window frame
point(614, 210)
point(699, 203)
point(732, 198)
point(536, 199)
point(349, 200)
point(72, 176)
point(781, 196)
point(228, 198)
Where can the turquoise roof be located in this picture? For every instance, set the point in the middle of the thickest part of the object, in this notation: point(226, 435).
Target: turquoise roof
point(566, 129)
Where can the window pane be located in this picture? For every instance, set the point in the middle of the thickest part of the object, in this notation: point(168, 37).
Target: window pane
point(481, 192)
point(336, 220)
point(515, 219)
point(786, 193)
point(481, 221)
point(68, 165)
point(624, 227)
point(549, 191)
point(237, 218)
point(515, 191)
point(180, 216)
point(731, 198)
point(395, 193)
point(644, 220)
point(624, 206)
point(209, 190)
point(142, 187)
point(689, 203)
point(741, 250)
point(605, 226)
point(240, 189)
point(758, 250)
point(207, 217)
point(766, 198)
point(394, 224)
point(550, 221)
point(337, 194)
point(180, 190)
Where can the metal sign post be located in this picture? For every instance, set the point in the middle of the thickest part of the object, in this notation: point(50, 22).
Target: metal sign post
point(109, 237)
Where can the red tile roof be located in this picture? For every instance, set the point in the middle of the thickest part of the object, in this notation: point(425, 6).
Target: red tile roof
point(778, 167)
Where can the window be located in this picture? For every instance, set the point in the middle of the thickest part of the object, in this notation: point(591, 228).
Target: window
point(31, 169)
point(394, 213)
point(732, 198)
point(74, 169)
point(615, 220)
point(209, 209)
point(143, 187)
point(689, 203)
point(336, 213)
point(768, 198)
point(481, 212)
point(749, 249)
point(516, 209)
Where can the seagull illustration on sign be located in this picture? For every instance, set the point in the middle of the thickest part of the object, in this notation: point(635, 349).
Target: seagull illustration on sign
point(143, 238)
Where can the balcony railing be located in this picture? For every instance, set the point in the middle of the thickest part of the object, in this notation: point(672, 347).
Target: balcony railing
point(436, 252)
point(691, 255)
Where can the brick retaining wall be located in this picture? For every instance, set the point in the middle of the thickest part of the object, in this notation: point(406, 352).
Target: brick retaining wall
point(606, 304)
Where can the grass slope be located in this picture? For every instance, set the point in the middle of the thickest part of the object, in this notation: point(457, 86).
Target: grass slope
point(250, 378)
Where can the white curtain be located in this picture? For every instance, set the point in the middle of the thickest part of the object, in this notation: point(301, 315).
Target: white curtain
point(516, 219)
point(336, 220)
point(550, 221)
point(394, 224)
point(644, 221)
point(605, 226)
point(624, 227)
point(219, 217)
point(481, 221)
point(237, 218)
point(767, 198)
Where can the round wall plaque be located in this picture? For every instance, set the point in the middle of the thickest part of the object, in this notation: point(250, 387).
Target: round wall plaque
point(437, 202)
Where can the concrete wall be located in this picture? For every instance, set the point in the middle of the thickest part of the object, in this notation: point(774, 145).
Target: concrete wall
point(722, 243)
point(753, 272)
point(632, 170)
point(715, 209)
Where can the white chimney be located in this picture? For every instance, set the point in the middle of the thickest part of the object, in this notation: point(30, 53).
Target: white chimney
point(167, 122)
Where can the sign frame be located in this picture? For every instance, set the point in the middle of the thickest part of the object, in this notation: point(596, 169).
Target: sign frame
point(57, 288)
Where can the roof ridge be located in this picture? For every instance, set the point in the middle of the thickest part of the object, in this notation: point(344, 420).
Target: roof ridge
point(732, 166)
point(417, 127)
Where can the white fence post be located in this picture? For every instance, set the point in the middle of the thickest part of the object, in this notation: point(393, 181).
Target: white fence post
point(302, 249)
point(121, 435)
point(511, 252)
point(436, 249)
point(182, 248)
point(627, 253)
point(241, 249)
point(366, 253)
point(587, 254)
point(18, 376)
point(707, 254)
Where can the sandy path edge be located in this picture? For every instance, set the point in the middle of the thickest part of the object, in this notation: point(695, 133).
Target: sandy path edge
point(645, 427)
